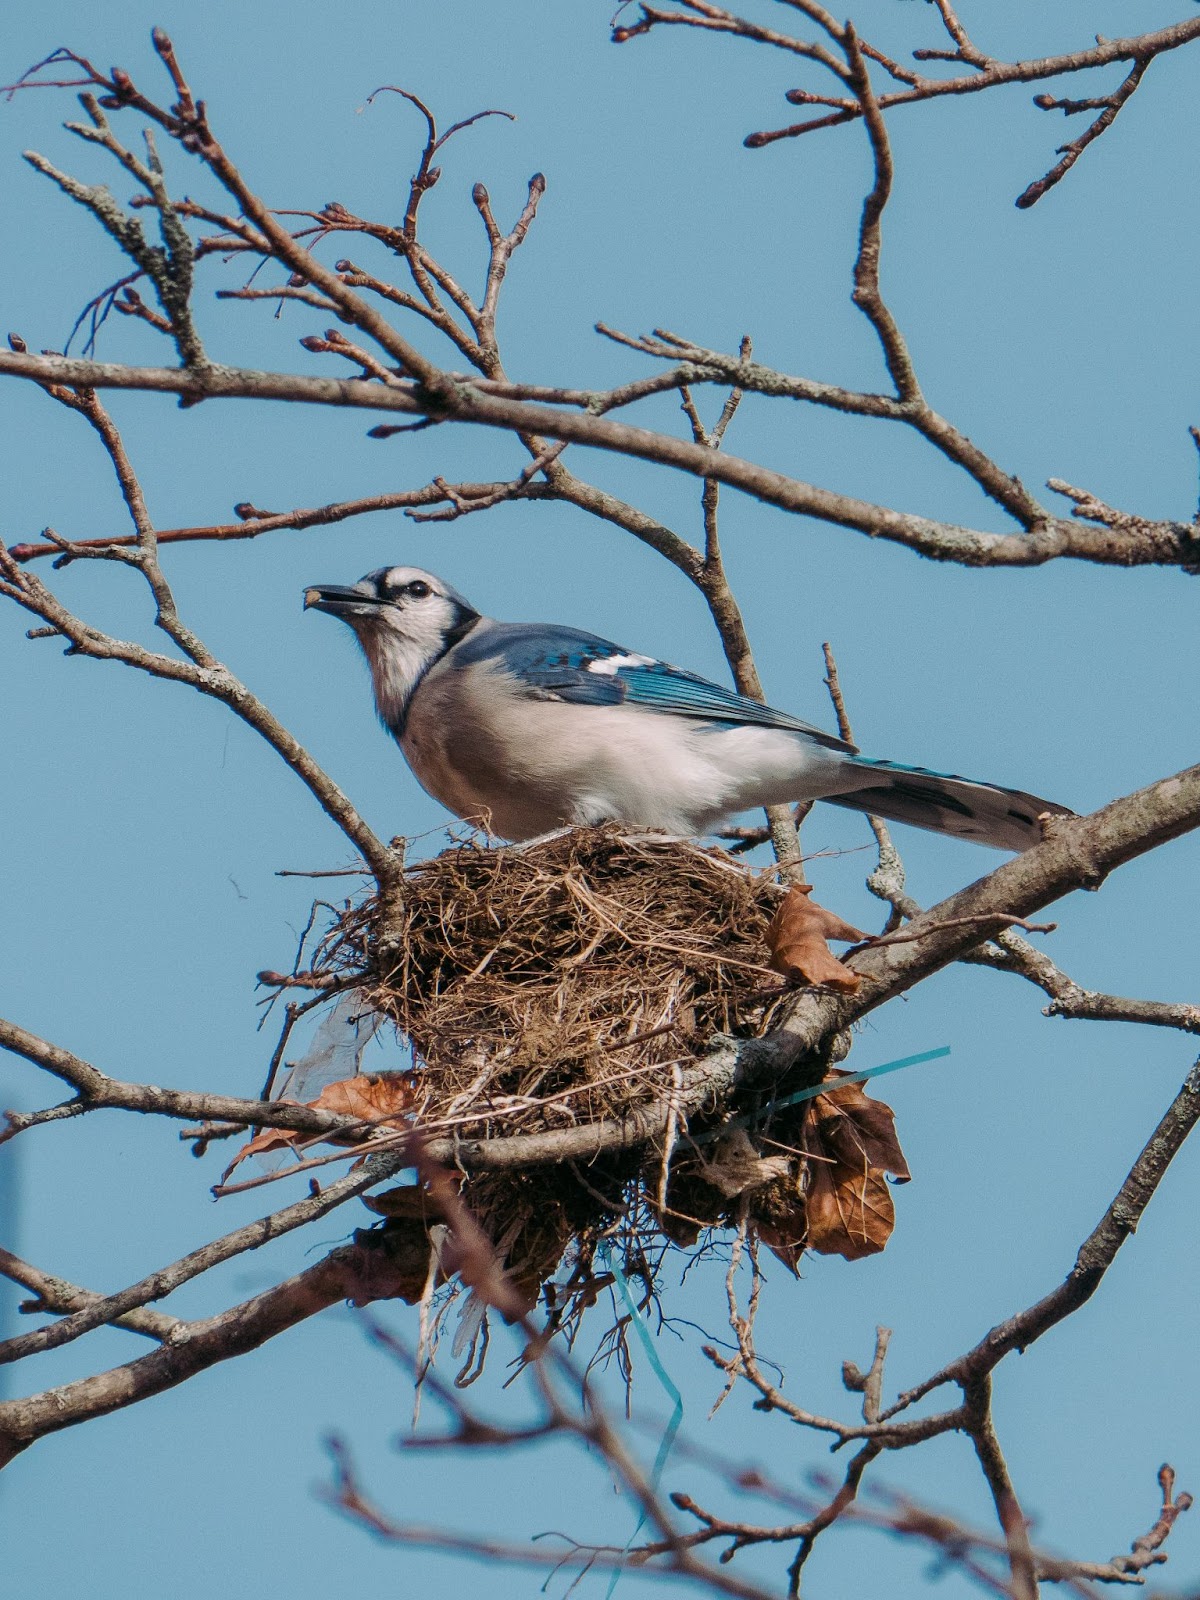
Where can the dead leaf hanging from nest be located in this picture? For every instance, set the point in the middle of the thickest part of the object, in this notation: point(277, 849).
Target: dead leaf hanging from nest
point(838, 1200)
point(383, 1100)
point(852, 1142)
point(408, 1201)
point(797, 941)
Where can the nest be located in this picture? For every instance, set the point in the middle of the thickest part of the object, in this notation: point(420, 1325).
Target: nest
point(583, 967)
point(567, 982)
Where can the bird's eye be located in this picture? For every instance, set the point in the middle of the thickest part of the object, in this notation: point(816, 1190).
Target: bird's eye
point(417, 589)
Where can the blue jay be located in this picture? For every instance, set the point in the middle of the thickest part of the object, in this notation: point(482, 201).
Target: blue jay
point(524, 728)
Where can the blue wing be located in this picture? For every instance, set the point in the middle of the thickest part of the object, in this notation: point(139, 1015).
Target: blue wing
point(566, 664)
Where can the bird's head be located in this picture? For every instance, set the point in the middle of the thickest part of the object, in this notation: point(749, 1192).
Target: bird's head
point(404, 602)
point(405, 619)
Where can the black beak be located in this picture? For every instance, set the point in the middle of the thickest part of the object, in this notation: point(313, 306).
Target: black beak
point(339, 601)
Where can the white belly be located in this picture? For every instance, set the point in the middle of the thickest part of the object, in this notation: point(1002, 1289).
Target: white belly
point(520, 766)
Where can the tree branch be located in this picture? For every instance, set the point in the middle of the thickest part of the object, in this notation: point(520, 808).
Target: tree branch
point(56, 1294)
point(345, 1273)
point(1010, 953)
point(1078, 852)
point(255, 523)
point(1095, 1256)
point(1161, 543)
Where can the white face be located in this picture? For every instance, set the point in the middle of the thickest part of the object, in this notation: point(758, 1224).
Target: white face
point(404, 619)
point(410, 605)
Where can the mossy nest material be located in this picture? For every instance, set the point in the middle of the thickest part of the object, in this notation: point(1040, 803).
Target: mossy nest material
point(560, 982)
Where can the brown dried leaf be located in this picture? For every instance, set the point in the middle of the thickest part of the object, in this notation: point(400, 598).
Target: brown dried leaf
point(848, 1215)
point(383, 1099)
point(848, 1200)
point(411, 1202)
point(796, 938)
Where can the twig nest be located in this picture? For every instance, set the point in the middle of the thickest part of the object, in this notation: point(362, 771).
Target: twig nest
point(560, 982)
point(571, 981)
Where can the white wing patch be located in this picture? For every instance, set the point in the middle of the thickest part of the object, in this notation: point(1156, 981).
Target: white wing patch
point(609, 666)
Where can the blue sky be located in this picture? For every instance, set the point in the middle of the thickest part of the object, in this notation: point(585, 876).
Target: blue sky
point(143, 829)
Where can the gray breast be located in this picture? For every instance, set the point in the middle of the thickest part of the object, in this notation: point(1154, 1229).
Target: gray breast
point(481, 747)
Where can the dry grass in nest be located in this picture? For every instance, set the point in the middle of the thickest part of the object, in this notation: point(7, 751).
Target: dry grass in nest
point(554, 985)
point(560, 983)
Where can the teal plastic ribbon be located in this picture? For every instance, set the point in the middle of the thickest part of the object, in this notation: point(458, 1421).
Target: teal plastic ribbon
point(815, 1089)
point(664, 1378)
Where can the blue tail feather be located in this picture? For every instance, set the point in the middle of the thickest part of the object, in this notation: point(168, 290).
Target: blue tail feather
point(945, 803)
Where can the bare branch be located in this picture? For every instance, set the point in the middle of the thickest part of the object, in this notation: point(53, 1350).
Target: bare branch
point(697, 364)
point(1071, 153)
point(169, 266)
point(56, 1294)
point(462, 505)
point(1145, 1552)
point(867, 295)
point(964, 50)
point(987, 73)
point(886, 881)
point(1077, 853)
point(99, 1310)
point(713, 582)
point(699, 14)
point(255, 523)
point(1010, 953)
point(502, 247)
point(982, 1431)
point(348, 1273)
point(1096, 1254)
point(1161, 543)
